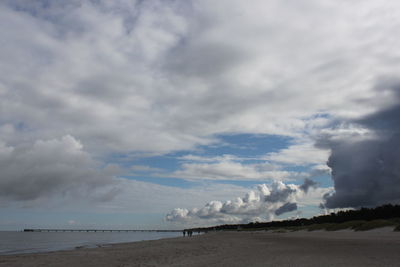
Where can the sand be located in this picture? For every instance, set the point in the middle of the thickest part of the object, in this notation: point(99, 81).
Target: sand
point(341, 248)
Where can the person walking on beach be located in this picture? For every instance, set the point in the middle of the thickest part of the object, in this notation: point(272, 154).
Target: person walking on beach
point(184, 233)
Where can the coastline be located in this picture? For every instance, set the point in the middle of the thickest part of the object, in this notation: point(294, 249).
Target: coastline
point(377, 247)
point(18, 242)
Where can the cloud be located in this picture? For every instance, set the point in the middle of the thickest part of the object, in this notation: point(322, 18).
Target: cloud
point(165, 76)
point(153, 77)
point(48, 167)
point(134, 197)
point(138, 205)
point(269, 200)
point(299, 154)
point(286, 208)
point(308, 183)
point(231, 170)
point(365, 168)
point(270, 167)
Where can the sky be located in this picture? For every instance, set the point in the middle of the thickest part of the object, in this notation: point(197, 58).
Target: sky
point(170, 114)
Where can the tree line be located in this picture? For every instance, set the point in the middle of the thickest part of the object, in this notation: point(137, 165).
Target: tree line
point(387, 211)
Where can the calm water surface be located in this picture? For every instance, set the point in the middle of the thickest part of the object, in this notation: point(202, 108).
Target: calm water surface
point(31, 242)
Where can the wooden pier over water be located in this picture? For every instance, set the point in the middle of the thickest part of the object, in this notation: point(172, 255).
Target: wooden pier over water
point(96, 230)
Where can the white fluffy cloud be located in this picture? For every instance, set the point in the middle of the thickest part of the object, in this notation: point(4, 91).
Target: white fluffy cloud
point(261, 205)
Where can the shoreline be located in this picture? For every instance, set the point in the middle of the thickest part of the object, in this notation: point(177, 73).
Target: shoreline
point(18, 242)
point(377, 247)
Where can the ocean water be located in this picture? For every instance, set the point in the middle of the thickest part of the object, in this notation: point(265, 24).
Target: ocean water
point(32, 242)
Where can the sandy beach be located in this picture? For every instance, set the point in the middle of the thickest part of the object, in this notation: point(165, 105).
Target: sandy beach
point(379, 247)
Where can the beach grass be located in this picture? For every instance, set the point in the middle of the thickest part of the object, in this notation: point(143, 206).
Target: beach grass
point(374, 224)
point(397, 228)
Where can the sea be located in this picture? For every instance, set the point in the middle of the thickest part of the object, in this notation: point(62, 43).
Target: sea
point(34, 242)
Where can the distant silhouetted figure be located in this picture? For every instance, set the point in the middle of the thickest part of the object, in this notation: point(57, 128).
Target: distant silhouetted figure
point(190, 233)
point(184, 233)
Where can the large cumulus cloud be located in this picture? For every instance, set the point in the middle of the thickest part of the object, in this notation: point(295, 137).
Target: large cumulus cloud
point(268, 201)
point(366, 165)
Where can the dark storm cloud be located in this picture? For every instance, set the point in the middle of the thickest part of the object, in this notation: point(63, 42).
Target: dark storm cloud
point(366, 172)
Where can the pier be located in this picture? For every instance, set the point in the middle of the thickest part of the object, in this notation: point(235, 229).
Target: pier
point(95, 230)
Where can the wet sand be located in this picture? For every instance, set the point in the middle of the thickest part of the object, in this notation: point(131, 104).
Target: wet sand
point(341, 248)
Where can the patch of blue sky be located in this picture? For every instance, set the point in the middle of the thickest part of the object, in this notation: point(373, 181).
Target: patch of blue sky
point(246, 184)
point(245, 145)
point(248, 147)
point(240, 145)
point(167, 162)
point(166, 181)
